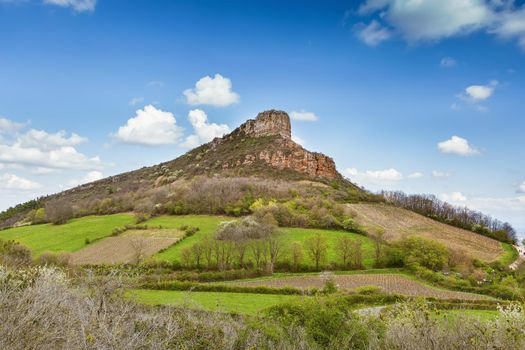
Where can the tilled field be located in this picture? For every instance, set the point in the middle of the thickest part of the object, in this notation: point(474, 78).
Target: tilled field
point(395, 284)
point(398, 223)
point(126, 248)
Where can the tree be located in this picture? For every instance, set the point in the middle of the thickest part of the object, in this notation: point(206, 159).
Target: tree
point(139, 249)
point(379, 243)
point(343, 248)
point(274, 250)
point(423, 252)
point(297, 255)
point(58, 212)
point(197, 251)
point(317, 247)
point(356, 256)
point(258, 249)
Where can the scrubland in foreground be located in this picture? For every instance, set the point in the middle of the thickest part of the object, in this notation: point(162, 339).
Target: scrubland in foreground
point(42, 309)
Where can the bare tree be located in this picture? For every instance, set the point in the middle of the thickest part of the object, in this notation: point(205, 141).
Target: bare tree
point(317, 247)
point(274, 250)
point(139, 249)
point(197, 251)
point(258, 249)
point(356, 255)
point(343, 249)
point(297, 255)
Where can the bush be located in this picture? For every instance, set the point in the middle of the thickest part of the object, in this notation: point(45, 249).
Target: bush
point(419, 251)
point(58, 212)
point(13, 254)
point(54, 259)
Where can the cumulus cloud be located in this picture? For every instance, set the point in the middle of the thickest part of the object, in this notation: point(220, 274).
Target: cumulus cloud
point(477, 93)
point(454, 197)
point(13, 182)
point(433, 20)
point(448, 62)
point(204, 131)
point(40, 148)
point(298, 140)
point(373, 33)
point(440, 174)
point(304, 116)
point(216, 91)
point(457, 145)
point(7, 125)
point(150, 126)
point(76, 5)
point(91, 176)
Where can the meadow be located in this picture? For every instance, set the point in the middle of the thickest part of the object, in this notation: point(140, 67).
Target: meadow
point(69, 237)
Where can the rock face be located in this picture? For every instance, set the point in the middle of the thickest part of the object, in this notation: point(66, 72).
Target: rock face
point(284, 153)
point(268, 123)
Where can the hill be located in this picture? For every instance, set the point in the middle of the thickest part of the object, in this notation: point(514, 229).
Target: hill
point(261, 148)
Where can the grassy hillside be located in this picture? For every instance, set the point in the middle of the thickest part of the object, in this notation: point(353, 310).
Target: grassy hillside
point(69, 237)
point(398, 223)
point(208, 225)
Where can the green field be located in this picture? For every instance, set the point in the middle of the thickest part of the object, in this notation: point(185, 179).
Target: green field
point(510, 255)
point(69, 237)
point(208, 225)
point(483, 315)
point(239, 303)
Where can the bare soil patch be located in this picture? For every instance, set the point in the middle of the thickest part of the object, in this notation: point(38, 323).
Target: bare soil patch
point(395, 284)
point(126, 248)
point(399, 223)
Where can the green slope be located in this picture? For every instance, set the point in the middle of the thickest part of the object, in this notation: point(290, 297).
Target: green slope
point(68, 237)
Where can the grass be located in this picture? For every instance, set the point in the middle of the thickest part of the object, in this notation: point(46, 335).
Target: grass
point(208, 225)
point(510, 255)
point(300, 235)
point(483, 315)
point(238, 303)
point(69, 237)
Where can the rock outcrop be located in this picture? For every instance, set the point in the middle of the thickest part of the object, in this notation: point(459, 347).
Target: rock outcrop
point(283, 153)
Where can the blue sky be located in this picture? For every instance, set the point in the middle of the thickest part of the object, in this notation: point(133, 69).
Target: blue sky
point(422, 96)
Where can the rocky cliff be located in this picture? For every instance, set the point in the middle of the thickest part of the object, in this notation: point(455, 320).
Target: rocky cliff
point(284, 153)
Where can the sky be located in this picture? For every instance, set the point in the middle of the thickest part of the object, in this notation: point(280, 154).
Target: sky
point(423, 96)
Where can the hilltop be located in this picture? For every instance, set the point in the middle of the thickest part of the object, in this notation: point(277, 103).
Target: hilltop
point(260, 149)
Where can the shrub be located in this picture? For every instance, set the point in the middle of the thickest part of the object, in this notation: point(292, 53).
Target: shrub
point(58, 212)
point(13, 254)
point(423, 252)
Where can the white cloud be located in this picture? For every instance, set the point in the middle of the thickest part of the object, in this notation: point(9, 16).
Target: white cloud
point(432, 20)
point(440, 174)
point(136, 100)
point(478, 93)
point(47, 141)
point(150, 126)
point(13, 182)
point(44, 171)
point(457, 145)
point(92, 176)
point(416, 175)
point(204, 131)
point(454, 197)
point(376, 176)
point(7, 125)
point(77, 5)
point(521, 188)
point(216, 91)
point(448, 62)
point(49, 150)
point(372, 34)
point(304, 116)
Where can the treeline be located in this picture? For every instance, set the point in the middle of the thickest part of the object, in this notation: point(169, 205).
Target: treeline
point(462, 217)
